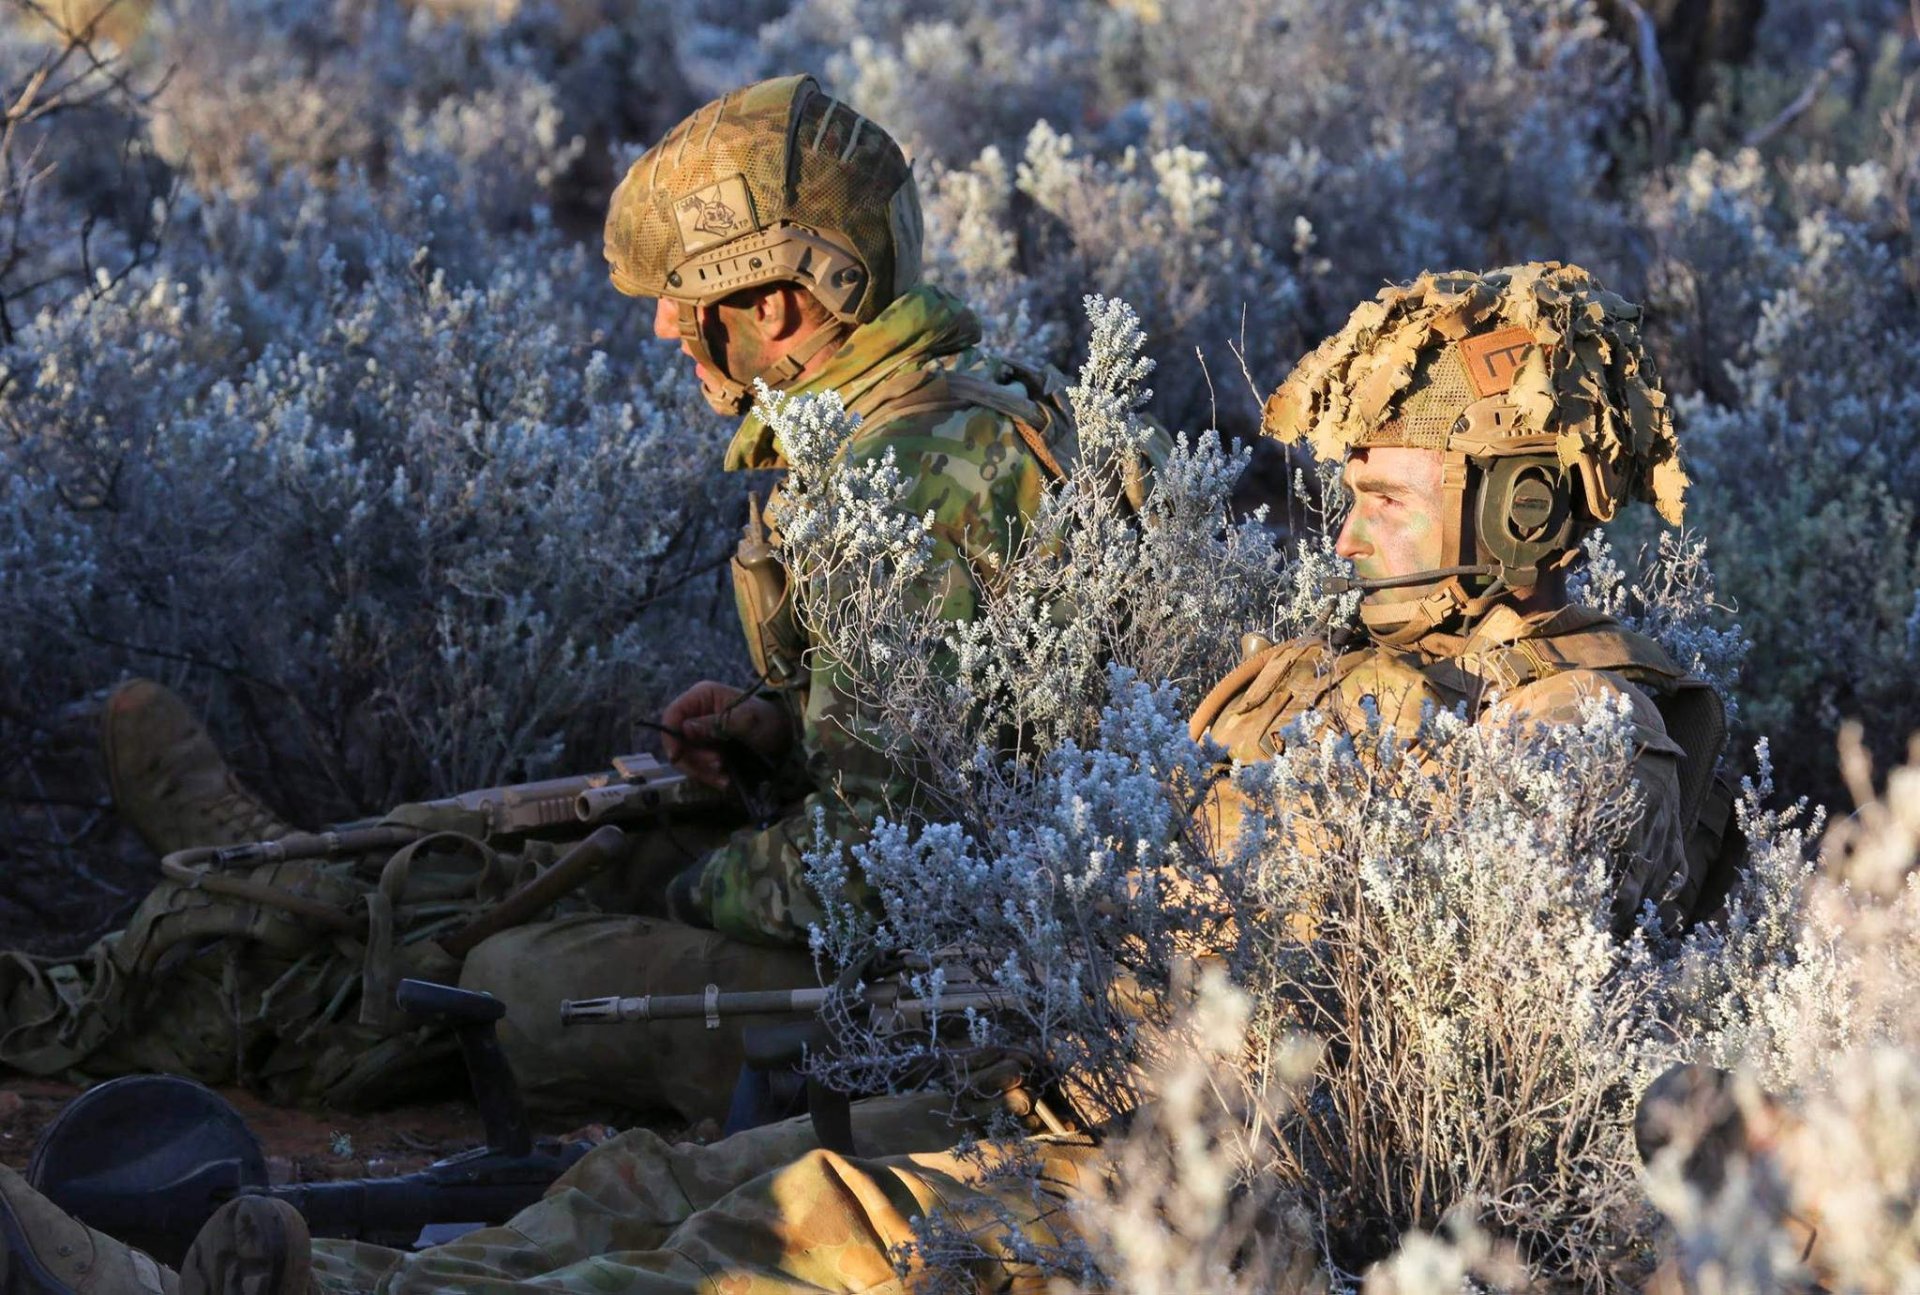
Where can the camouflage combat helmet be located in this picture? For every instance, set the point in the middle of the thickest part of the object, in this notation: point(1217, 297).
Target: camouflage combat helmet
point(776, 182)
point(1533, 383)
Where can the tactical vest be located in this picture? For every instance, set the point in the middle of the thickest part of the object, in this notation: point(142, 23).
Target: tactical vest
point(1248, 710)
point(1038, 412)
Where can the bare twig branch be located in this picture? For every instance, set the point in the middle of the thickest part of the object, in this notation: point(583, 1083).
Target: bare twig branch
point(1808, 96)
point(1655, 98)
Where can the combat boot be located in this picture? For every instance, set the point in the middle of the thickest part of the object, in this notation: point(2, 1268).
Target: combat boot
point(253, 1245)
point(169, 780)
point(45, 1251)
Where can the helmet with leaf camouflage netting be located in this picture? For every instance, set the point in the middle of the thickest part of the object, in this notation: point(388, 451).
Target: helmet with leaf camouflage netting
point(776, 182)
point(1532, 382)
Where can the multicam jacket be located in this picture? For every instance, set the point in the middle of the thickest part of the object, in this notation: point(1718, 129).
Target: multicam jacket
point(946, 411)
point(1541, 666)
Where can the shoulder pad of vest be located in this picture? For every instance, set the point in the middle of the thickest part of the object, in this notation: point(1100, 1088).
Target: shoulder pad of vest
point(1585, 640)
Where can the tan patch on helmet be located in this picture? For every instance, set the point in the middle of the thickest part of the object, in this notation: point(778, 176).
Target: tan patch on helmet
point(716, 214)
point(1493, 358)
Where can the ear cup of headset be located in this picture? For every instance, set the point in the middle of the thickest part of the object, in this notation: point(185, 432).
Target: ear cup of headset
point(1524, 513)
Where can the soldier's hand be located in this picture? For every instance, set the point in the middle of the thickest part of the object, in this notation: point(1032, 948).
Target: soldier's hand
point(709, 714)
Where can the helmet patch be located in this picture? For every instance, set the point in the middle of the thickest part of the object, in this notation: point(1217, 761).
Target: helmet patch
point(1493, 358)
point(716, 214)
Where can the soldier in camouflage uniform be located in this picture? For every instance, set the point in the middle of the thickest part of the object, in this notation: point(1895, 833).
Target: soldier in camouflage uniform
point(1484, 421)
point(780, 233)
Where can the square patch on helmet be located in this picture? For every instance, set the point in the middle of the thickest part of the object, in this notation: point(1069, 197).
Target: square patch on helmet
point(1493, 358)
point(719, 213)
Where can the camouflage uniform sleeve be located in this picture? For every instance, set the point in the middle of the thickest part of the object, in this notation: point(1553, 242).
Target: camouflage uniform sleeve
point(972, 471)
point(1656, 868)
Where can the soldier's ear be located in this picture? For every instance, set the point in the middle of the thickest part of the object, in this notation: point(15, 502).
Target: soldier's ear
point(775, 311)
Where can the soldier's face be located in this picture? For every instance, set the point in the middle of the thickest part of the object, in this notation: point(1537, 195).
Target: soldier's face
point(735, 333)
point(1394, 526)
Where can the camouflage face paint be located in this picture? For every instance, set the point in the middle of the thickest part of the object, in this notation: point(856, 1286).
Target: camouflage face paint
point(1394, 525)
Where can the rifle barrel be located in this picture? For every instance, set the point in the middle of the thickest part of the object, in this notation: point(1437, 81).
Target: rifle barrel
point(715, 1004)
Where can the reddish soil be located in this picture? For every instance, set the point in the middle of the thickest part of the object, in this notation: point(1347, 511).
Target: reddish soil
point(301, 1146)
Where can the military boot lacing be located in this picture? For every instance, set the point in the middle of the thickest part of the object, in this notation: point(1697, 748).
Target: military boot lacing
point(169, 780)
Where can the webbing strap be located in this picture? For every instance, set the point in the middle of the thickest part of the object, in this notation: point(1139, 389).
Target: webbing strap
point(1525, 660)
point(377, 976)
point(786, 370)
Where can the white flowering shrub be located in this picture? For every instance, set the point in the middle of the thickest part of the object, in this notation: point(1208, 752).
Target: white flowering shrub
point(315, 403)
point(1795, 335)
point(1441, 922)
point(363, 454)
point(1063, 775)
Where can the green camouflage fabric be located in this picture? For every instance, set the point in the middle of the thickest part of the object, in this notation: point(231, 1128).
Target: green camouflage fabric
point(229, 991)
point(972, 470)
point(225, 991)
point(761, 1212)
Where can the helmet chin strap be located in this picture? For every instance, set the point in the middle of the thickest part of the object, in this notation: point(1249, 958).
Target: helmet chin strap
point(723, 391)
point(1403, 624)
point(1346, 585)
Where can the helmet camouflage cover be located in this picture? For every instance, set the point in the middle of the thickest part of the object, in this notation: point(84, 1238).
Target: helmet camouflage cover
point(1552, 360)
point(775, 182)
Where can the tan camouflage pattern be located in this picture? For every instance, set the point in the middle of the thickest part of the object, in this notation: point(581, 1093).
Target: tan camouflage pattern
point(761, 1212)
point(1587, 381)
point(1249, 711)
point(708, 210)
point(969, 468)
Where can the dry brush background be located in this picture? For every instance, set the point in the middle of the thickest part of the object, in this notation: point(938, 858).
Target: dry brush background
point(315, 403)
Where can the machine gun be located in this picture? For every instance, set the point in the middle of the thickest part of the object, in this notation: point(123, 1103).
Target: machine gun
point(781, 1049)
point(149, 1158)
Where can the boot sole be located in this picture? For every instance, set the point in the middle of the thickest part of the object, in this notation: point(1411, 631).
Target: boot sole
point(253, 1245)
